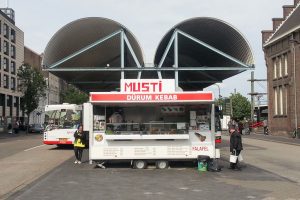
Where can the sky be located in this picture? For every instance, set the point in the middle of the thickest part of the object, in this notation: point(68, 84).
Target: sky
point(149, 20)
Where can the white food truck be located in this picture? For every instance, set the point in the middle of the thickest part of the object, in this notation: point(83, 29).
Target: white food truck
point(148, 121)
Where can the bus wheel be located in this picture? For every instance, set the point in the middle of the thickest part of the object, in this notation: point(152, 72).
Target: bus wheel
point(162, 164)
point(139, 164)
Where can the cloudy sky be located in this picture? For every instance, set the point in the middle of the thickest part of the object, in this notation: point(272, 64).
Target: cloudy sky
point(149, 20)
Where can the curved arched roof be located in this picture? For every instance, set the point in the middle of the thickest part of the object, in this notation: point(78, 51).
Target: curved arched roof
point(88, 68)
point(78, 35)
point(213, 32)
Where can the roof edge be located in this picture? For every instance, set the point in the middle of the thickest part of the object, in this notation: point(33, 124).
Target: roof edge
point(270, 40)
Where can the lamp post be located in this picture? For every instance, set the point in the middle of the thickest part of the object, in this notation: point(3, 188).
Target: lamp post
point(219, 90)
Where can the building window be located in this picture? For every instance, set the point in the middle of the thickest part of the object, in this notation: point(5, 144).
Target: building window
point(0, 80)
point(285, 61)
point(280, 101)
point(16, 101)
point(13, 51)
point(274, 68)
point(13, 67)
point(5, 64)
point(275, 102)
point(13, 83)
point(5, 47)
point(280, 66)
point(13, 35)
point(6, 30)
point(5, 81)
point(9, 100)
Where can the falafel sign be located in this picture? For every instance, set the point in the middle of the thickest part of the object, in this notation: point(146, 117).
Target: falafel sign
point(149, 90)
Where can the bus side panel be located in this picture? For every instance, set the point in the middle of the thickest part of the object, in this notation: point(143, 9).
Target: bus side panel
point(59, 136)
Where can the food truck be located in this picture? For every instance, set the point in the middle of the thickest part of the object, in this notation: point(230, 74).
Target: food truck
point(150, 121)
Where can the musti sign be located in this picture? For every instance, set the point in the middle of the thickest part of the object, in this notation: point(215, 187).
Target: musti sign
point(149, 90)
point(147, 85)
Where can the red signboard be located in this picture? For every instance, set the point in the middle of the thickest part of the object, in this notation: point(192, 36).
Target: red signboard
point(151, 97)
point(147, 85)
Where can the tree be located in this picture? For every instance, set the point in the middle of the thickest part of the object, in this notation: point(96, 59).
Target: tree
point(241, 106)
point(74, 96)
point(33, 86)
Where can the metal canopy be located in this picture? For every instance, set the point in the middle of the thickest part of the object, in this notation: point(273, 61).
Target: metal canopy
point(203, 42)
point(93, 42)
point(95, 53)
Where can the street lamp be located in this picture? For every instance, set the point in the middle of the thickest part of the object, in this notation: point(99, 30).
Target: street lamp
point(219, 90)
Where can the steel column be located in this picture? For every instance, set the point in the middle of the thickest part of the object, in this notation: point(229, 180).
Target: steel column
point(165, 54)
point(213, 127)
point(176, 58)
point(122, 54)
point(133, 55)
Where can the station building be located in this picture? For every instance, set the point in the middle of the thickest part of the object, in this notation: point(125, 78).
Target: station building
point(281, 47)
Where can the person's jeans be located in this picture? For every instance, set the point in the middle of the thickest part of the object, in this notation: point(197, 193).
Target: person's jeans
point(265, 130)
point(78, 153)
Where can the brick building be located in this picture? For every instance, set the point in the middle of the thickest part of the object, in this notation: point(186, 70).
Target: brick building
point(282, 55)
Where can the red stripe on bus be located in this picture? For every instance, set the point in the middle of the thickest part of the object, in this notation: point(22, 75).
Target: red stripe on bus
point(57, 142)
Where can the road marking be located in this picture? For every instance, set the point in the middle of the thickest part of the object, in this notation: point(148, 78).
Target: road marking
point(196, 190)
point(183, 188)
point(34, 147)
point(148, 193)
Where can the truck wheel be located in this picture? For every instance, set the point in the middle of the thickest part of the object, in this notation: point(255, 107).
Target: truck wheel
point(139, 164)
point(162, 164)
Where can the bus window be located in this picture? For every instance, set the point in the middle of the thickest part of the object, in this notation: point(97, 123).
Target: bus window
point(63, 119)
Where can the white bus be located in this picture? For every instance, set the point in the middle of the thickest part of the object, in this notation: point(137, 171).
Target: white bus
point(61, 122)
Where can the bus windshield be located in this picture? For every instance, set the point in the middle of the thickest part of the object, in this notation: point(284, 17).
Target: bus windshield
point(63, 118)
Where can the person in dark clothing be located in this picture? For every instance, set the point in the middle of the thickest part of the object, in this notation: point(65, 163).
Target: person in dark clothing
point(236, 147)
point(16, 128)
point(241, 127)
point(79, 144)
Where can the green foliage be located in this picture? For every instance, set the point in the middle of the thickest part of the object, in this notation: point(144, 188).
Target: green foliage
point(241, 106)
point(33, 86)
point(74, 96)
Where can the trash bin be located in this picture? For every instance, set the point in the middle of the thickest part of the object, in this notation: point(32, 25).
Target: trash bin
point(202, 163)
point(202, 166)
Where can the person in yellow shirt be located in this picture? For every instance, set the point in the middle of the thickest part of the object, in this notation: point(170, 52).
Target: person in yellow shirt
point(79, 144)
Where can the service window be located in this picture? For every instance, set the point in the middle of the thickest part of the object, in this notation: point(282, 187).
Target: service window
point(143, 120)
